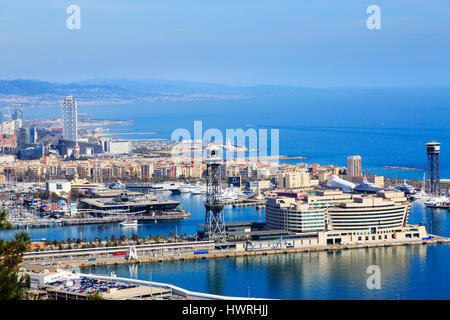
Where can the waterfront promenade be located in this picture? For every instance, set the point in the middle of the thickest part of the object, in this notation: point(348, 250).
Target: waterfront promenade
point(191, 251)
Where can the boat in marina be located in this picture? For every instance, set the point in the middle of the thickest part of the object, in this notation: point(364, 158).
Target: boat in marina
point(117, 186)
point(421, 194)
point(438, 202)
point(199, 190)
point(406, 188)
point(129, 223)
point(232, 194)
point(186, 188)
point(165, 186)
point(367, 187)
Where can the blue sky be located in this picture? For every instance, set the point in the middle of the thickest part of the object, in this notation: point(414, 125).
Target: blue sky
point(320, 43)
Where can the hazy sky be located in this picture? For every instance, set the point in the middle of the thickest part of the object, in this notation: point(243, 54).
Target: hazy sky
point(315, 43)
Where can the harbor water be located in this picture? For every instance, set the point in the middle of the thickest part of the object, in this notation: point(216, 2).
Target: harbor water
point(407, 272)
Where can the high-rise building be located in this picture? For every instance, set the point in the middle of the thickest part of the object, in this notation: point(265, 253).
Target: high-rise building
point(354, 167)
point(17, 115)
point(69, 108)
point(26, 137)
point(293, 179)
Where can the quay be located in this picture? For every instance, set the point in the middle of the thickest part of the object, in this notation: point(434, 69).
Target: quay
point(439, 206)
point(193, 251)
point(259, 204)
point(46, 223)
point(78, 286)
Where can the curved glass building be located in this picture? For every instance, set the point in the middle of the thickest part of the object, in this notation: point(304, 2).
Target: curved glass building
point(368, 213)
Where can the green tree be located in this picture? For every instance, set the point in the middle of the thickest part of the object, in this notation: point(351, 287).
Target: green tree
point(74, 194)
point(4, 224)
point(95, 296)
point(11, 256)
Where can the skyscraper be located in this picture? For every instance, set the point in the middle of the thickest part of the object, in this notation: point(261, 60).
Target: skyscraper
point(354, 167)
point(70, 119)
point(26, 137)
point(17, 115)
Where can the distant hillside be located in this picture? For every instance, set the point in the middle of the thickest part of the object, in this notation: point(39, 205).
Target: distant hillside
point(33, 88)
point(19, 92)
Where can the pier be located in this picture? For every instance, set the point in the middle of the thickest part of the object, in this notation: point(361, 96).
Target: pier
point(45, 223)
point(152, 253)
point(259, 204)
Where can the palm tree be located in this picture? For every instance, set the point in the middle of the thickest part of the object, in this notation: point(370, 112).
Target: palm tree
point(11, 255)
point(4, 224)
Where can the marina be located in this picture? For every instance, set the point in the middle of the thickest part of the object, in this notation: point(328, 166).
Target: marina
point(85, 221)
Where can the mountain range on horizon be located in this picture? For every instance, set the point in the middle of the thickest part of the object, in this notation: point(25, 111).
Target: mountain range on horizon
point(125, 86)
point(25, 93)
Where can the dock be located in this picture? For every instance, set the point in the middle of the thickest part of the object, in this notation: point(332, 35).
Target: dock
point(154, 253)
point(259, 204)
point(439, 206)
point(91, 220)
point(232, 254)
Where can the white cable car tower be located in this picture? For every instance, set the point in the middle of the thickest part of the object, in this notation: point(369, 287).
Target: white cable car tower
point(214, 221)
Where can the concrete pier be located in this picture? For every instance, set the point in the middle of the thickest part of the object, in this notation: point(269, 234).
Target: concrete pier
point(81, 221)
point(100, 259)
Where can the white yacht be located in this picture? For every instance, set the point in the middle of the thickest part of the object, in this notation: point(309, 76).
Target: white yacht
point(186, 188)
point(201, 189)
point(421, 194)
point(406, 188)
point(129, 223)
point(165, 186)
point(232, 194)
point(437, 201)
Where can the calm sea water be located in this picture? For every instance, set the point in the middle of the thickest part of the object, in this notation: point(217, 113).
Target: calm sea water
point(412, 272)
point(191, 203)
